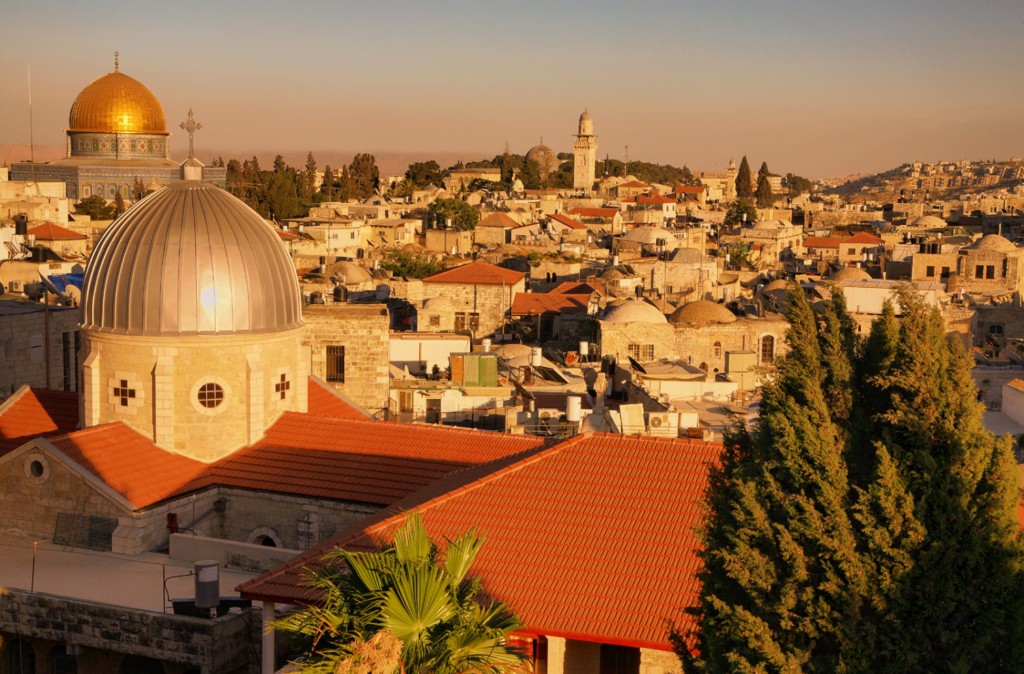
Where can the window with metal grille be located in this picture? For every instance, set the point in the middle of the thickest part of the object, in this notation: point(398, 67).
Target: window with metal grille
point(460, 320)
point(336, 363)
point(474, 321)
point(767, 349)
point(210, 395)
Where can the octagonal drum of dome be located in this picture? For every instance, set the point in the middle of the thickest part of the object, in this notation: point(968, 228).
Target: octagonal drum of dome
point(190, 259)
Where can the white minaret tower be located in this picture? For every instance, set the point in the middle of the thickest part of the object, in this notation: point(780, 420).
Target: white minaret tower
point(584, 155)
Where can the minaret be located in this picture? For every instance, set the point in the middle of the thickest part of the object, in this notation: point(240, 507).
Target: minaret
point(584, 155)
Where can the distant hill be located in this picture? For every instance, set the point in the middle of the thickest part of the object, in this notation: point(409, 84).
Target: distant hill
point(389, 163)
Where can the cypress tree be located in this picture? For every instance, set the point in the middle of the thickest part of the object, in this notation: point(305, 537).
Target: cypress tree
point(764, 196)
point(744, 188)
point(874, 532)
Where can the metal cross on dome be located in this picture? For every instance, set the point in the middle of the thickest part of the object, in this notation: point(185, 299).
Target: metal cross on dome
point(191, 126)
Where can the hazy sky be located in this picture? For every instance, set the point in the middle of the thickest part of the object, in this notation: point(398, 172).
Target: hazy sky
point(820, 88)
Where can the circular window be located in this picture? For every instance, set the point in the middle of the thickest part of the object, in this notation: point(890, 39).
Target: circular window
point(36, 468)
point(210, 395)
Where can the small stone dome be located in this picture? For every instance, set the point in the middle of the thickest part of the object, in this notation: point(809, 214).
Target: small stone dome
point(586, 124)
point(929, 222)
point(613, 274)
point(116, 103)
point(190, 259)
point(635, 311)
point(439, 303)
point(662, 305)
point(768, 225)
point(545, 158)
point(995, 242)
point(649, 236)
point(349, 271)
point(851, 274)
point(701, 313)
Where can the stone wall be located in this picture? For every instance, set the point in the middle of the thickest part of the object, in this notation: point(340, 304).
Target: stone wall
point(491, 302)
point(29, 340)
point(362, 329)
point(105, 634)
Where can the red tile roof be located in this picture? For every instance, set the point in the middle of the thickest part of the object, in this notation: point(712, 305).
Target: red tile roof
point(497, 219)
point(324, 401)
point(822, 242)
point(31, 413)
point(373, 462)
point(654, 198)
point(477, 273)
point(688, 189)
point(594, 212)
point(592, 539)
point(567, 221)
point(531, 304)
point(863, 237)
point(579, 288)
point(49, 231)
point(287, 235)
point(129, 462)
point(633, 183)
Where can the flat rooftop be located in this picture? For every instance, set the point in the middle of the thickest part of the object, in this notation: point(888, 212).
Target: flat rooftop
point(130, 581)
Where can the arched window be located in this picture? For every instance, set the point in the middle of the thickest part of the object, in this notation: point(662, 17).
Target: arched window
point(61, 662)
point(718, 349)
point(767, 349)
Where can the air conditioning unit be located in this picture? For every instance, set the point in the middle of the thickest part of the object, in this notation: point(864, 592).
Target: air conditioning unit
point(664, 424)
point(14, 286)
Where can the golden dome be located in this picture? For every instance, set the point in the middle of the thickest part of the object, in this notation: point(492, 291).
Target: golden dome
point(116, 103)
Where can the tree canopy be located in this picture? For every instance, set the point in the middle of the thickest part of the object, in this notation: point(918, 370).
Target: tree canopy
point(744, 182)
point(407, 608)
point(461, 214)
point(95, 207)
point(409, 265)
point(866, 522)
point(738, 209)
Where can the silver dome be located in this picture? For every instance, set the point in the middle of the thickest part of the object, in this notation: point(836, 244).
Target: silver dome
point(190, 259)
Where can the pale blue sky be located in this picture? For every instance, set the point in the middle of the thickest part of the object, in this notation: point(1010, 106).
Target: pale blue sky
point(818, 88)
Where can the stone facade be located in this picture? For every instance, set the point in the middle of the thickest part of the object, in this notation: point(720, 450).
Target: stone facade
point(480, 308)
point(157, 386)
point(584, 152)
point(38, 347)
point(348, 346)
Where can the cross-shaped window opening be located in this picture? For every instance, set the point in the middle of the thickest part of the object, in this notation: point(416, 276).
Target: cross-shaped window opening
point(283, 386)
point(124, 393)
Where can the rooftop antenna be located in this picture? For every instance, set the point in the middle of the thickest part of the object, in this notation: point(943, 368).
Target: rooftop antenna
point(31, 138)
point(625, 163)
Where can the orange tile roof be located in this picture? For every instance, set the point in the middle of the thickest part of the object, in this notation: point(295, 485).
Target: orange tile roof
point(129, 462)
point(863, 237)
point(374, 462)
point(287, 235)
point(593, 539)
point(579, 288)
point(567, 221)
point(31, 413)
point(633, 183)
point(654, 198)
point(688, 189)
point(531, 304)
point(477, 273)
point(497, 219)
point(595, 212)
point(324, 401)
point(49, 231)
point(822, 242)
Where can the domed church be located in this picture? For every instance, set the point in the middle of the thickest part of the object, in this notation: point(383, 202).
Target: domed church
point(117, 134)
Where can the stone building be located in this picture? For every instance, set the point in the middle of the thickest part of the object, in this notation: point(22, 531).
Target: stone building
point(60, 240)
point(348, 346)
point(116, 134)
point(860, 248)
point(992, 266)
point(774, 241)
point(481, 295)
point(38, 347)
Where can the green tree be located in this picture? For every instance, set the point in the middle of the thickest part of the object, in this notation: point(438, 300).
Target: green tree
point(409, 265)
point(744, 183)
point(95, 207)
point(308, 181)
point(139, 190)
point(461, 214)
point(119, 205)
point(874, 532)
point(796, 185)
point(411, 593)
point(365, 176)
point(424, 174)
point(764, 196)
point(738, 209)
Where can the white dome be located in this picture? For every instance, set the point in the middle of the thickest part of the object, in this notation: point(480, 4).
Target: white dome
point(650, 235)
point(702, 312)
point(929, 222)
point(635, 311)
